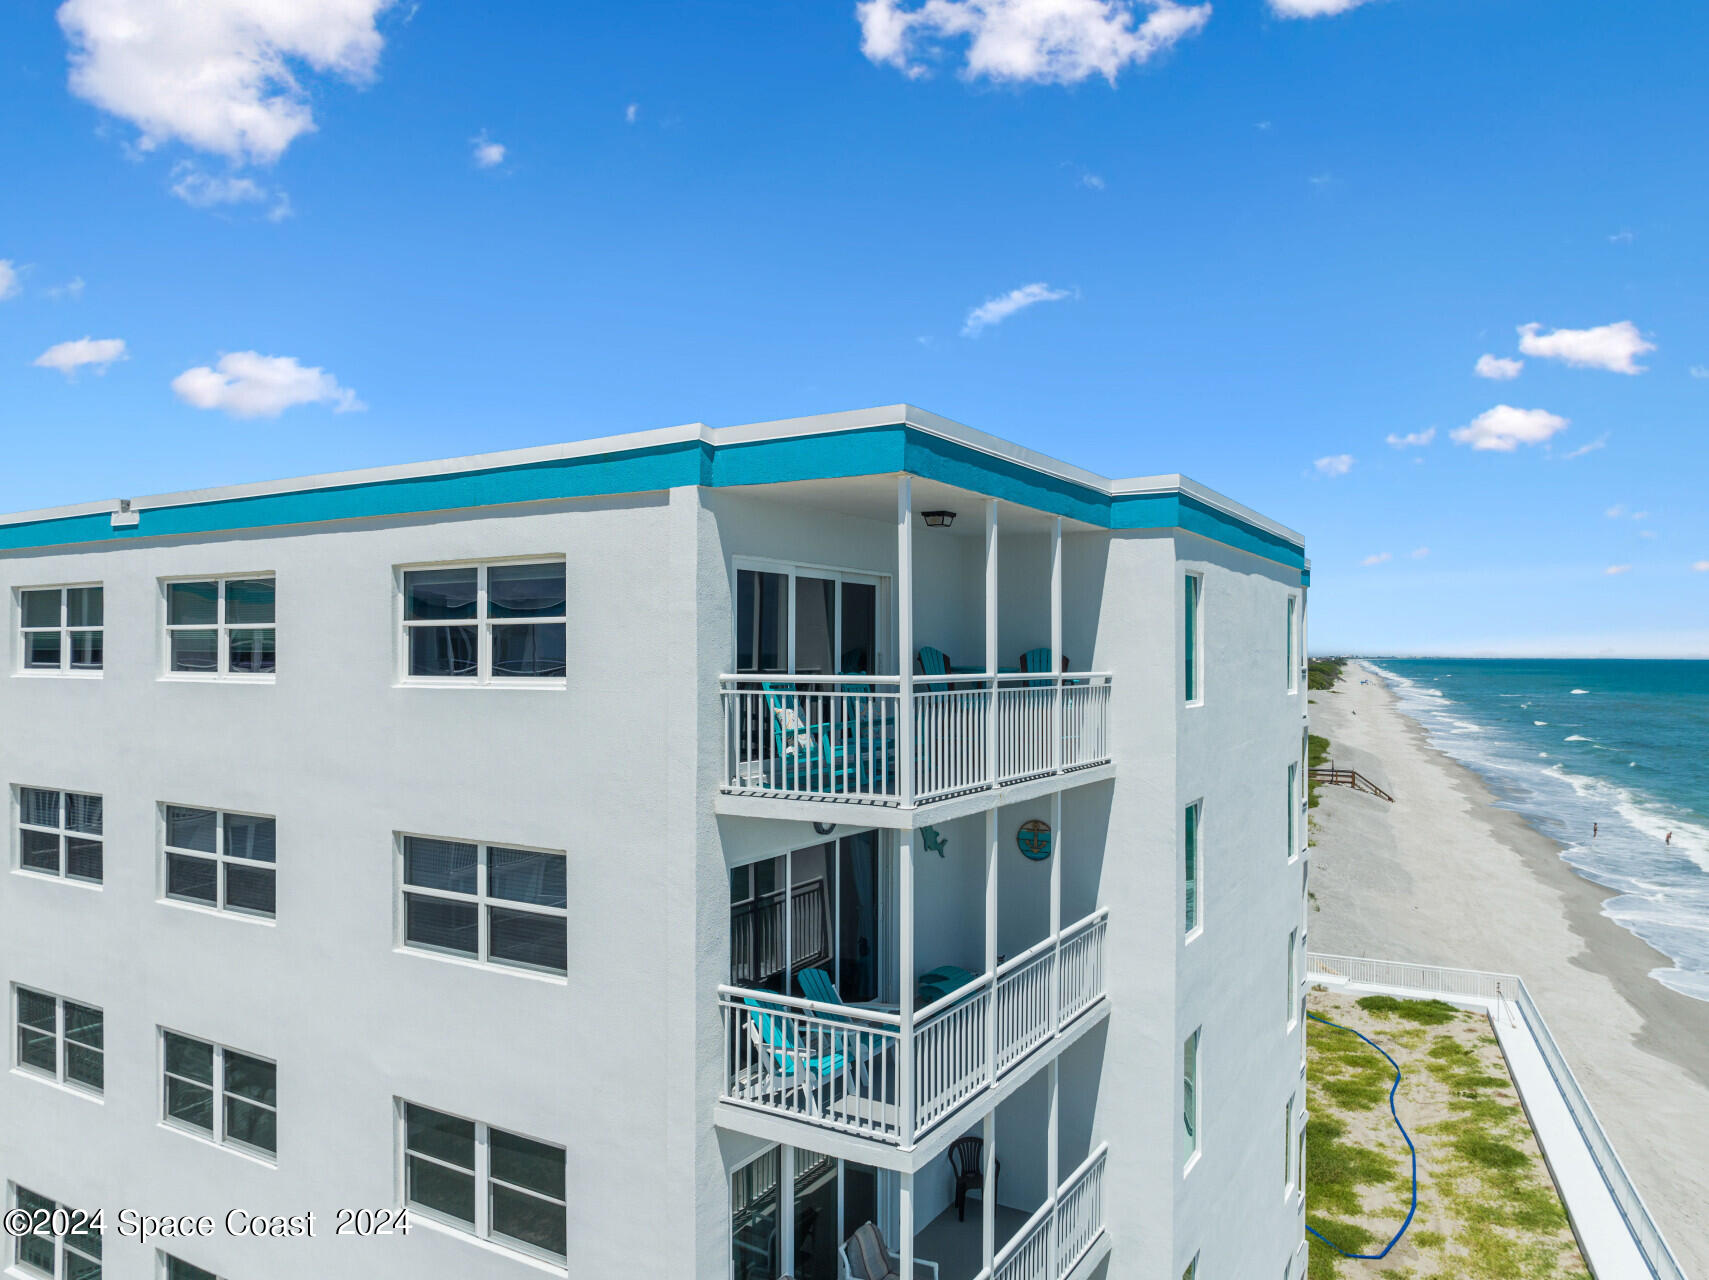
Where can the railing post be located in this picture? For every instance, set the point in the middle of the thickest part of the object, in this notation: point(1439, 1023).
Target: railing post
point(992, 659)
point(991, 862)
point(988, 1194)
point(1052, 1170)
point(1056, 644)
point(1056, 912)
point(905, 640)
point(905, 965)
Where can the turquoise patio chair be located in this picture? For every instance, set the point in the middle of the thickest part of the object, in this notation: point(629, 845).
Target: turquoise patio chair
point(788, 1067)
point(806, 753)
point(1037, 662)
point(934, 662)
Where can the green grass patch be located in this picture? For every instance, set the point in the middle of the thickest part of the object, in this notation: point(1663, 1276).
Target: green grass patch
point(1322, 673)
point(1430, 1013)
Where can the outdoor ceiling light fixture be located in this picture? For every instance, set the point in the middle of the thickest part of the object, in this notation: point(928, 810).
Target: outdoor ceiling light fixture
point(938, 519)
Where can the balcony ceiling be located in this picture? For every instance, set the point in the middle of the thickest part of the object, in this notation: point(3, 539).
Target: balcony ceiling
point(874, 498)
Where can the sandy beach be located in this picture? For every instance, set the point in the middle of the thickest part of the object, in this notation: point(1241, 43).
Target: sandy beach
point(1441, 876)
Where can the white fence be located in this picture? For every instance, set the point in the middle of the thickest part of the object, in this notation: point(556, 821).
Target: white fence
point(1474, 984)
point(839, 1065)
point(837, 737)
point(1060, 1233)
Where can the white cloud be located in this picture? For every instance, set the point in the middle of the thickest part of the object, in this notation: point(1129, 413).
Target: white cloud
point(998, 309)
point(72, 289)
point(1381, 557)
point(93, 353)
point(247, 384)
point(1420, 553)
point(1608, 346)
point(1092, 181)
point(1622, 237)
point(1336, 464)
point(1700, 370)
point(219, 75)
point(1505, 428)
point(1614, 570)
point(197, 189)
point(1646, 533)
point(1021, 41)
point(1497, 368)
point(1700, 566)
point(488, 154)
point(632, 113)
point(1598, 443)
point(9, 286)
point(1412, 439)
point(1615, 512)
point(1313, 8)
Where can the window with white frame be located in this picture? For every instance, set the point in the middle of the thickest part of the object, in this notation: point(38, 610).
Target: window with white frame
point(485, 622)
point(1293, 811)
point(1293, 974)
point(1288, 1146)
point(1192, 1110)
point(42, 1248)
point(495, 1185)
point(1299, 1157)
point(485, 902)
point(61, 1039)
point(1191, 640)
point(218, 859)
point(1192, 870)
point(61, 629)
point(221, 627)
point(227, 1096)
point(177, 1269)
point(59, 834)
point(1293, 666)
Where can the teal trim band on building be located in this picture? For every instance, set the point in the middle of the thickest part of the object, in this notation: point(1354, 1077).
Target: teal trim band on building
point(823, 455)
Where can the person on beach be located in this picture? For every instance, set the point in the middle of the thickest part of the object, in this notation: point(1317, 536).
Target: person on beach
point(1669, 839)
point(1593, 827)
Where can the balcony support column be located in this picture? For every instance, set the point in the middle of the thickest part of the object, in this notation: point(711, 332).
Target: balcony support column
point(905, 641)
point(988, 1194)
point(905, 993)
point(991, 900)
point(1056, 643)
point(991, 656)
point(785, 1204)
point(1056, 911)
point(1053, 1160)
point(904, 1223)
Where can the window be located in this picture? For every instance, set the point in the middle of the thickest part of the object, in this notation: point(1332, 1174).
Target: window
point(1299, 1159)
point(1293, 973)
point(229, 1096)
point(59, 834)
point(60, 1039)
point(1190, 642)
point(1288, 1146)
point(1192, 1269)
point(177, 1269)
point(221, 627)
point(486, 902)
point(1293, 667)
point(484, 622)
point(1192, 872)
point(61, 628)
point(75, 1255)
point(1292, 810)
point(497, 1185)
point(220, 860)
point(1191, 1110)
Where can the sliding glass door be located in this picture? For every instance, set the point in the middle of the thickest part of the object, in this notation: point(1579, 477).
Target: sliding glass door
point(828, 919)
point(827, 1201)
point(807, 621)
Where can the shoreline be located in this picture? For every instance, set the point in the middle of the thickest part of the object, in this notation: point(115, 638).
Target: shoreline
point(1445, 876)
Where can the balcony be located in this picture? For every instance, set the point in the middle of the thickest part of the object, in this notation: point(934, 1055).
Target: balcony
point(890, 743)
point(862, 1070)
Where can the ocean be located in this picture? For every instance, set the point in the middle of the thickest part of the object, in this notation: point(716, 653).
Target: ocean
point(1623, 744)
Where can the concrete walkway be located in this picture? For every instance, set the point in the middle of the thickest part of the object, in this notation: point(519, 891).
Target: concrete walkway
point(1604, 1238)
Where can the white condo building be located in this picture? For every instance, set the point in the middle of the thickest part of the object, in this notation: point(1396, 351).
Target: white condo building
point(660, 856)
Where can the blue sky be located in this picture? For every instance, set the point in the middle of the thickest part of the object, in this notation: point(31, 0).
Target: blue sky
point(1252, 244)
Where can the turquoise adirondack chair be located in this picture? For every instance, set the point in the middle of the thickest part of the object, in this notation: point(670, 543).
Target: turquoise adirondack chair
point(935, 662)
point(790, 1067)
point(1037, 662)
point(806, 751)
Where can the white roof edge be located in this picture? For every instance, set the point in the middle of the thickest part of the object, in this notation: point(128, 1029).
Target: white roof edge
point(783, 428)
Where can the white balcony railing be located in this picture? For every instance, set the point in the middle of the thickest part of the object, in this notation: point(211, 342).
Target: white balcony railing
point(1060, 1233)
point(839, 1066)
point(838, 737)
